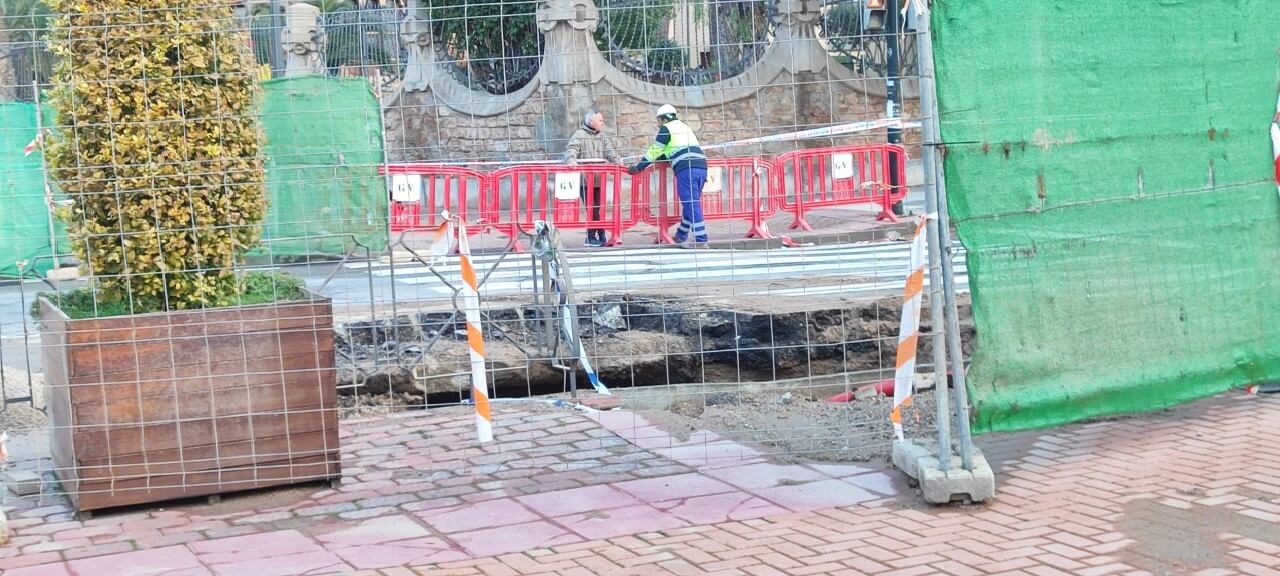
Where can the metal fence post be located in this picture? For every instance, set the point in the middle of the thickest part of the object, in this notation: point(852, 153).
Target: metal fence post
point(277, 9)
point(936, 284)
point(932, 128)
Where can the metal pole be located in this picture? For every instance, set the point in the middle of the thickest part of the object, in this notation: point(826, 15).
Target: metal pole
point(893, 89)
point(44, 172)
point(930, 135)
point(954, 349)
point(277, 41)
point(932, 124)
point(387, 180)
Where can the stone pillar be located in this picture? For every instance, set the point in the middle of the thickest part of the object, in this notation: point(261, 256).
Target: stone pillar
point(303, 41)
point(795, 28)
point(418, 38)
point(570, 68)
point(567, 27)
point(805, 60)
point(8, 76)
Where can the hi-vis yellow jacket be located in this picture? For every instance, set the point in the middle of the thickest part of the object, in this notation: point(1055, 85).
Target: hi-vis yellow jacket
point(676, 144)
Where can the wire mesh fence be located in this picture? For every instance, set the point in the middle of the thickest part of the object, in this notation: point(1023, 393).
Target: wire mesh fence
point(267, 295)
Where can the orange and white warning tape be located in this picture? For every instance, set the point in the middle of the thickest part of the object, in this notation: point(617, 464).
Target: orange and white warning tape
point(909, 330)
point(443, 245)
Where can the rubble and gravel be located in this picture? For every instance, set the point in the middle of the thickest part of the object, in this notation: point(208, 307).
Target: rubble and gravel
point(634, 340)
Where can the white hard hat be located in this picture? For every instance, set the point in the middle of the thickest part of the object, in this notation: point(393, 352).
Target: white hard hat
point(666, 109)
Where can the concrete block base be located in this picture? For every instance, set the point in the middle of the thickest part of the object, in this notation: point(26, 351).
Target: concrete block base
point(65, 274)
point(921, 463)
point(24, 483)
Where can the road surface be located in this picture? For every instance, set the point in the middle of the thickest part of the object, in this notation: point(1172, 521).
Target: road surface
point(844, 270)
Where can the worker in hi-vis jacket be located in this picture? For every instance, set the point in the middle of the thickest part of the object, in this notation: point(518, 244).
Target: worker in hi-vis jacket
point(677, 145)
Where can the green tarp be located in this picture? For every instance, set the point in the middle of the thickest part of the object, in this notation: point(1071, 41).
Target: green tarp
point(24, 222)
point(324, 145)
point(1109, 172)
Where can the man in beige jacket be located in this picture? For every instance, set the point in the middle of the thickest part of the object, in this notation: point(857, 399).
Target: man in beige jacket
point(590, 143)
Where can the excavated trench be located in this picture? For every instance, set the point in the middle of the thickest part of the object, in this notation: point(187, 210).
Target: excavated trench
point(633, 341)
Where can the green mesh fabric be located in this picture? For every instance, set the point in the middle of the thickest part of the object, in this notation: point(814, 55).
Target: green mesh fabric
point(1109, 172)
point(324, 145)
point(24, 222)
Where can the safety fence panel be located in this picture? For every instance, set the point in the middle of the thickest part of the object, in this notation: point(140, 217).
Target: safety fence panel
point(421, 192)
point(571, 197)
point(746, 189)
point(736, 189)
point(841, 176)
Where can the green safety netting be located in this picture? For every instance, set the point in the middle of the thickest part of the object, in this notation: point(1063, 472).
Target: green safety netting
point(1110, 174)
point(324, 145)
point(24, 222)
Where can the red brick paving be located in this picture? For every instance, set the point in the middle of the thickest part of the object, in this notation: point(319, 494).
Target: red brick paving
point(1206, 477)
point(1194, 491)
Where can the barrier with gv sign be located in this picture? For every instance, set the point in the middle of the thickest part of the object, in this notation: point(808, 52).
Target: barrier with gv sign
point(736, 189)
point(588, 196)
point(420, 192)
point(841, 176)
point(747, 189)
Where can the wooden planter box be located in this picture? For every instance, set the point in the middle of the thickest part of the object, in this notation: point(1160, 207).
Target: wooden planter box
point(168, 405)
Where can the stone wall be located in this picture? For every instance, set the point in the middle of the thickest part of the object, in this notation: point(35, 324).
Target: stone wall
point(794, 86)
point(421, 128)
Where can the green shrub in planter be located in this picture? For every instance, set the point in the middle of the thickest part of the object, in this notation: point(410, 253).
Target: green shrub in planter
point(157, 144)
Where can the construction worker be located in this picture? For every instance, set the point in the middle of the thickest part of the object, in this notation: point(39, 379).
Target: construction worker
point(590, 142)
point(677, 145)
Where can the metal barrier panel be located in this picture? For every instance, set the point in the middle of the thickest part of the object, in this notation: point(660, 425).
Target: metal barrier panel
point(578, 197)
point(420, 192)
point(840, 176)
point(736, 189)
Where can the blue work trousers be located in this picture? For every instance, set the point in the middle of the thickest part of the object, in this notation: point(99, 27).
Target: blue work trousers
point(689, 183)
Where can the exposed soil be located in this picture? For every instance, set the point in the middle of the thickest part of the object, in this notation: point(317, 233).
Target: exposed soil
point(632, 340)
point(790, 420)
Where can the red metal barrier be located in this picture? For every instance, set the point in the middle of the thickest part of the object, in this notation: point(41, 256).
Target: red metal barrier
point(519, 195)
point(736, 189)
point(840, 176)
point(747, 189)
point(439, 187)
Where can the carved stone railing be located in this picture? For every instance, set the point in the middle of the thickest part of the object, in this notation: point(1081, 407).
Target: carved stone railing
point(571, 57)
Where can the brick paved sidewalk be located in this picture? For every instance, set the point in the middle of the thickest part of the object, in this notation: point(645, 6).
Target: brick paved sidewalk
point(1190, 490)
point(417, 489)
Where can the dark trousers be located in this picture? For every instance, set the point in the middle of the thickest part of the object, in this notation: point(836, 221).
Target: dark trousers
point(689, 183)
point(595, 208)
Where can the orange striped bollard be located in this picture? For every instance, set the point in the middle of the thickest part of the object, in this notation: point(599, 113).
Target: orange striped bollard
point(443, 244)
point(909, 330)
point(475, 337)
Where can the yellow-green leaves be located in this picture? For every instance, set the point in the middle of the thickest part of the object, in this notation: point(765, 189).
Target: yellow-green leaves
point(158, 145)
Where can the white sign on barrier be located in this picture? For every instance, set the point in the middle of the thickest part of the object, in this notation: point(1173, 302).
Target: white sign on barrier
point(406, 187)
point(842, 166)
point(568, 185)
point(715, 180)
